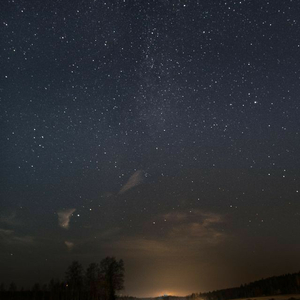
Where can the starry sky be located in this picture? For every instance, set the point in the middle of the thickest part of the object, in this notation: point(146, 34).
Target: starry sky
point(165, 133)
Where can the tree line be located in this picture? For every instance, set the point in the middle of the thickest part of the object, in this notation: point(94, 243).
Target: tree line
point(277, 285)
point(98, 281)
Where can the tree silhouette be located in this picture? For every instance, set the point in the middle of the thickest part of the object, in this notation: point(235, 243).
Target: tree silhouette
point(2, 287)
point(12, 287)
point(91, 280)
point(36, 287)
point(112, 276)
point(56, 289)
point(74, 279)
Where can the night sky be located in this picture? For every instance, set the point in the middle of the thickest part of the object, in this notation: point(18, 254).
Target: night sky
point(165, 133)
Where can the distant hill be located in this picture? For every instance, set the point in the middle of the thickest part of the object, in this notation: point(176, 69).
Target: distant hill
point(272, 286)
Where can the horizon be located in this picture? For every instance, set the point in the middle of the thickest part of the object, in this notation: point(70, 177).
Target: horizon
point(180, 294)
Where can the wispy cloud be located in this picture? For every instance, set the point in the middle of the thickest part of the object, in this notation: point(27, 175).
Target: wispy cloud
point(175, 216)
point(9, 219)
point(8, 236)
point(202, 216)
point(183, 232)
point(193, 233)
point(64, 217)
point(139, 245)
point(195, 226)
point(135, 179)
point(69, 245)
point(24, 239)
point(6, 232)
point(110, 232)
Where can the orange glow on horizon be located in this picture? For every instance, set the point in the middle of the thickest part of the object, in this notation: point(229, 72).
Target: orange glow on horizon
point(169, 293)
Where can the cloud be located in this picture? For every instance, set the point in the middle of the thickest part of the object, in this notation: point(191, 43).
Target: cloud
point(195, 227)
point(207, 218)
point(8, 236)
point(180, 232)
point(24, 239)
point(9, 219)
point(141, 246)
point(196, 233)
point(69, 245)
point(110, 233)
point(64, 217)
point(175, 216)
point(6, 232)
point(133, 181)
